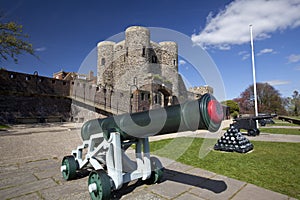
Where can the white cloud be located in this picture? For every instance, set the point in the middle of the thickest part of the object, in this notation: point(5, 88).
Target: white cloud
point(278, 82)
point(231, 25)
point(297, 68)
point(242, 53)
point(182, 62)
point(293, 58)
point(245, 54)
point(265, 51)
point(40, 49)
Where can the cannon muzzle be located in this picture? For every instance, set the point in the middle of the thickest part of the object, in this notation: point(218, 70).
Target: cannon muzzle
point(204, 113)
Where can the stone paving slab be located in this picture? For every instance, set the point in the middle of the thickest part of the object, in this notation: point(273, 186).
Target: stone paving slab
point(32, 196)
point(65, 191)
point(257, 193)
point(27, 188)
point(169, 189)
point(143, 195)
point(30, 169)
point(202, 172)
point(17, 179)
point(188, 196)
point(219, 187)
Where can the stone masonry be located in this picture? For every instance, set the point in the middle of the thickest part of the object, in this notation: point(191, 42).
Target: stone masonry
point(136, 62)
point(30, 98)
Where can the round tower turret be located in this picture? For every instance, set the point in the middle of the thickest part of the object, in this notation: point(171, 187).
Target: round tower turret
point(105, 61)
point(137, 43)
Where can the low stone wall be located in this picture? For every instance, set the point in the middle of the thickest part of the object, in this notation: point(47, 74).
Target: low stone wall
point(82, 114)
point(33, 109)
point(30, 98)
point(27, 84)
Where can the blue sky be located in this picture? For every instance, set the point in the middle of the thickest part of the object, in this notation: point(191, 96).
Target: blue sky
point(64, 32)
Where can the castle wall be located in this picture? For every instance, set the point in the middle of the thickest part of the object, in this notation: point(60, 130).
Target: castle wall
point(82, 114)
point(123, 68)
point(14, 82)
point(26, 96)
point(106, 98)
point(33, 108)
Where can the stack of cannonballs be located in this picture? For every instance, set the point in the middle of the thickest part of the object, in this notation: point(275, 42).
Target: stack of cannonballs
point(233, 140)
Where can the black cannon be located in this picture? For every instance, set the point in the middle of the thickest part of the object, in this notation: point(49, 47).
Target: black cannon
point(250, 123)
point(105, 142)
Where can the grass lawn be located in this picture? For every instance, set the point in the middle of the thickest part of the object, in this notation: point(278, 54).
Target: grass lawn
point(269, 129)
point(3, 127)
point(281, 123)
point(288, 131)
point(272, 165)
point(293, 117)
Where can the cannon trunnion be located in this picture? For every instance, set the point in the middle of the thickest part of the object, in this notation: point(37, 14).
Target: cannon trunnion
point(105, 142)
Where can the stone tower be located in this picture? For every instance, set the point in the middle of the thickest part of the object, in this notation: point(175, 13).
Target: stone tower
point(169, 63)
point(105, 62)
point(137, 63)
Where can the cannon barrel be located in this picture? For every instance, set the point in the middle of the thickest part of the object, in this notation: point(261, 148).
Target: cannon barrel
point(204, 113)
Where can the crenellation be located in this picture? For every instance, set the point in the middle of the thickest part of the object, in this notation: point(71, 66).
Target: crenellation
point(27, 95)
point(200, 90)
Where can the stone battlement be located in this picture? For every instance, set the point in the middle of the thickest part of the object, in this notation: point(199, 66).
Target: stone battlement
point(29, 84)
point(30, 96)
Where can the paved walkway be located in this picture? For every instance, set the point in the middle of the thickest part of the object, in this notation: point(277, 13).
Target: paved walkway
point(30, 169)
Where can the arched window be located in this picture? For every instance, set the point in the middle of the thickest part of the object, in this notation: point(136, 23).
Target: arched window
point(155, 99)
point(174, 62)
point(103, 61)
point(154, 59)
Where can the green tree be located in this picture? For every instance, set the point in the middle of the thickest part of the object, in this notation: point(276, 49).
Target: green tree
point(268, 99)
point(13, 41)
point(234, 108)
point(295, 103)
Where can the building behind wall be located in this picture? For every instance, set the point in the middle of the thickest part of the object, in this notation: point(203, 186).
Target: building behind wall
point(201, 90)
point(71, 76)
